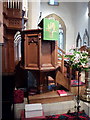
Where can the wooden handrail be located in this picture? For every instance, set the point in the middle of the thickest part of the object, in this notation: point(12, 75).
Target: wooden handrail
point(61, 50)
point(59, 54)
point(62, 61)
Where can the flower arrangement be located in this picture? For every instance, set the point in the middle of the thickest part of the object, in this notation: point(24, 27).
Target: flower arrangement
point(77, 59)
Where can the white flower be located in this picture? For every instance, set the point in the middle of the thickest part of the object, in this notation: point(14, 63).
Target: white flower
point(77, 58)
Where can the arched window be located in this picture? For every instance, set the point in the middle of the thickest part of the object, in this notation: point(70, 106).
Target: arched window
point(62, 31)
point(61, 37)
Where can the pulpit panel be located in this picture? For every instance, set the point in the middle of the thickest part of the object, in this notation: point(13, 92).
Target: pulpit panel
point(31, 51)
point(46, 53)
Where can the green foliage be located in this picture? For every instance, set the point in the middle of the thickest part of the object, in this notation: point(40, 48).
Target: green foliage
point(77, 59)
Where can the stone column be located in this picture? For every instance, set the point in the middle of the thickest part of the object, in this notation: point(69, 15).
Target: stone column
point(33, 14)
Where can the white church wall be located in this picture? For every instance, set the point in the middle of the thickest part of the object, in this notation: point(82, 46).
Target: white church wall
point(73, 15)
point(81, 18)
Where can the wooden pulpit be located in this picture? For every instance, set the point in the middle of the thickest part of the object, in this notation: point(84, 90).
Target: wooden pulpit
point(39, 56)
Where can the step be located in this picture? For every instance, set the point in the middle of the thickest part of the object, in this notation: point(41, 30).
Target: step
point(50, 97)
point(74, 89)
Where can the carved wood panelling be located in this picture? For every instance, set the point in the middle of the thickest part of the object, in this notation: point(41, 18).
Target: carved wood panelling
point(12, 20)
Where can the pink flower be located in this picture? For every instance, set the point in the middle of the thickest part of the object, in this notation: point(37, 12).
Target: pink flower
point(68, 53)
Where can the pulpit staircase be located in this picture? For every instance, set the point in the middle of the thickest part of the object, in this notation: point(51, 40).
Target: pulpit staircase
point(62, 76)
point(65, 74)
point(62, 79)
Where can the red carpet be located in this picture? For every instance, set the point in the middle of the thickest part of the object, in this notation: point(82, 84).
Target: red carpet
point(75, 83)
point(69, 116)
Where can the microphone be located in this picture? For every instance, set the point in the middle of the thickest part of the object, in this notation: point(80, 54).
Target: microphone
point(40, 15)
point(39, 18)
